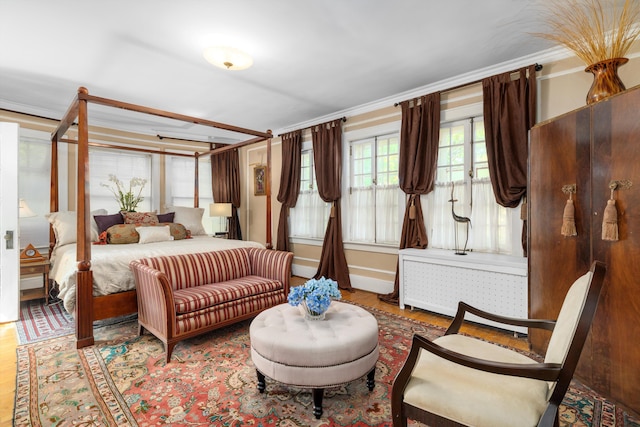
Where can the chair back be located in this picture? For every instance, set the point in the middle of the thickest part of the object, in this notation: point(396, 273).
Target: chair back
point(573, 324)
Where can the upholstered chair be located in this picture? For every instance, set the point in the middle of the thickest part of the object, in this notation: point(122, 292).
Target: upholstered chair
point(458, 380)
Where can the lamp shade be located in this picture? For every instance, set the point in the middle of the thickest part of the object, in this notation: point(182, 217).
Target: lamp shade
point(220, 209)
point(24, 210)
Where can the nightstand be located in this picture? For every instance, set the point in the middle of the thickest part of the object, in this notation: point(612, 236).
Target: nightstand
point(31, 269)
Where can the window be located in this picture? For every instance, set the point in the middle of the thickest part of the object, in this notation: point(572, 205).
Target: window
point(310, 216)
point(124, 165)
point(463, 186)
point(180, 188)
point(374, 195)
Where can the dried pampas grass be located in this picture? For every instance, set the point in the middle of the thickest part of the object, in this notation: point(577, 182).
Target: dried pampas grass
point(595, 30)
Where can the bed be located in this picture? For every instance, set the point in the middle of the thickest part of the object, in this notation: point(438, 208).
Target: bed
point(91, 278)
point(110, 263)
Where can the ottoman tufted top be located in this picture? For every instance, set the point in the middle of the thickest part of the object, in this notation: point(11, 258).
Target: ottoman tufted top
point(281, 334)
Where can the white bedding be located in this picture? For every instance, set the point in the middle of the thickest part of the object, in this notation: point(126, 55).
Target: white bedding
point(110, 263)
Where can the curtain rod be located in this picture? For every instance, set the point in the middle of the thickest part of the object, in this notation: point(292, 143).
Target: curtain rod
point(538, 68)
point(344, 119)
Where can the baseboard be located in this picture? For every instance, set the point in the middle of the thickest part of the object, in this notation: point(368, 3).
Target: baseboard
point(364, 283)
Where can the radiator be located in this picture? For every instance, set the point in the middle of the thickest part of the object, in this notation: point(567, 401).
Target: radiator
point(436, 280)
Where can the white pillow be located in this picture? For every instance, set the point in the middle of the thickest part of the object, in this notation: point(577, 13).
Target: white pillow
point(65, 226)
point(154, 234)
point(191, 218)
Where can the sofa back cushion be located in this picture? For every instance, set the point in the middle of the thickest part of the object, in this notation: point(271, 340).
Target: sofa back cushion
point(188, 270)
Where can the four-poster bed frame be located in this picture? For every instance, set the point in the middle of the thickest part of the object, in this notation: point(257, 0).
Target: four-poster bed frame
point(89, 308)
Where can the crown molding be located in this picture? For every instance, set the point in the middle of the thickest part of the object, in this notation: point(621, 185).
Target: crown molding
point(542, 57)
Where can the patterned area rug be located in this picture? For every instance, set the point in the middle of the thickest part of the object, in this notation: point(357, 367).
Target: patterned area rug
point(124, 381)
point(39, 321)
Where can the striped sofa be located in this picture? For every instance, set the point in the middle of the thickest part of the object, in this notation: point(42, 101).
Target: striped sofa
point(181, 296)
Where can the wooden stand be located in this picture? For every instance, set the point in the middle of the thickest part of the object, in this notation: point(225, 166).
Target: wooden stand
point(30, 268)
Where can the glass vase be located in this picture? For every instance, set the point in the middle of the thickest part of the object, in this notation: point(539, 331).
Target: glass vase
point(606, 81)
point(310, 315)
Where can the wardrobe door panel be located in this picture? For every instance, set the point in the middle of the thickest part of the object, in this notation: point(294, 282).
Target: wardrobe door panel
point(559, 156)
point(616, 157)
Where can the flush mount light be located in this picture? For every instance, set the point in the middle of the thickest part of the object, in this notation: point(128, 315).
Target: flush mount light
point(228, 57)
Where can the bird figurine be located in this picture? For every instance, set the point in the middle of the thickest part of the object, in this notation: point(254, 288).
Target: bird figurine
point(459, 219)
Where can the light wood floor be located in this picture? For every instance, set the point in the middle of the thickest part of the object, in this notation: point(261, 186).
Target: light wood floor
point(8, 342)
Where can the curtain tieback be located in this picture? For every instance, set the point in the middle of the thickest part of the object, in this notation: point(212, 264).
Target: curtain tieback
point(412, 208)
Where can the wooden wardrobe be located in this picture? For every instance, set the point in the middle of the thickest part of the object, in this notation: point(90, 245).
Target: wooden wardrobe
point(590, 147)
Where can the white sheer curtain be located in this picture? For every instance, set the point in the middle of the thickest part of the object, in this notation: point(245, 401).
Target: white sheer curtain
point(389, 200)
point(362, 223)
point(490, 223)
point(310, 216)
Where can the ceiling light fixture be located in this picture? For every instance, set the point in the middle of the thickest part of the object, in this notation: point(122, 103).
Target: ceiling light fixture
point(228, 57)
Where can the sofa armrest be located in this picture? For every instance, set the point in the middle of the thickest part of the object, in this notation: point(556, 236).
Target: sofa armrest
point(271, 264)
point(156, 307)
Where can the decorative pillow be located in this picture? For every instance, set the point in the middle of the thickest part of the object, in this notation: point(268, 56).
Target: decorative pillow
point(65, 226)
point(106, 221)
point(191, 218)
point(149, 218)
point(122, 234)
point(154, 234)
point(166, 217)
point(177, 231)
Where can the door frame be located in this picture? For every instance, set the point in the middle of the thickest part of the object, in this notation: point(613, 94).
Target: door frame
point(9, 256)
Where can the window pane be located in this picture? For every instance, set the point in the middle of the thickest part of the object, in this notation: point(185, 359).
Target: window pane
point(444, 156)
point(457, 173)
point(457, 135)
point(445, 137)
point(478, 133)
point(457, 155)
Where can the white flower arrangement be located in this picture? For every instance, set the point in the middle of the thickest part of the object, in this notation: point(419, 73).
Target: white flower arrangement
point(127, 201)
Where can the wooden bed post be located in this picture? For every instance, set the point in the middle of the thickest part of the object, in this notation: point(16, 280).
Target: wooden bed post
point(53, 189)
point(84, 276)
point(269, 244)
point(196, 182)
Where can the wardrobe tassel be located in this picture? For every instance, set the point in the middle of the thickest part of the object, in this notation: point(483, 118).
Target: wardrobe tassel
point(569, 214)
point(610, 217)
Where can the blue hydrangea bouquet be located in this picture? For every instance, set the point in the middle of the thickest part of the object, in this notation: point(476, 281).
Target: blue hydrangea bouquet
point(315, 296)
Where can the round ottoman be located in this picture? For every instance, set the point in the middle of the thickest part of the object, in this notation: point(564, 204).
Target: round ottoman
point(314, 353)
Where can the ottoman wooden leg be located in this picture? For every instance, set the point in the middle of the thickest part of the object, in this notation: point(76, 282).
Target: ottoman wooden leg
point(317, 402)
point(261, 383)
point(370, 381)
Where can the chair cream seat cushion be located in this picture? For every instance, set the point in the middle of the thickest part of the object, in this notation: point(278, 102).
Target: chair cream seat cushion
point(474, 397)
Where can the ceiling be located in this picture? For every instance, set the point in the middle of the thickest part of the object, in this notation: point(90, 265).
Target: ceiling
point(312, 59)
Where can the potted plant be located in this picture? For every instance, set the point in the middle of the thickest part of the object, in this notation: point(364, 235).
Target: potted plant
point(600, 32)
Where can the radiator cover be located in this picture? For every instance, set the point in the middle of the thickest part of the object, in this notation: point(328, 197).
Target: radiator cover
point(436, 280)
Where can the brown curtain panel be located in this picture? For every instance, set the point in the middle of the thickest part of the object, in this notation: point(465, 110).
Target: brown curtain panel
point(509, 113)
point(327, 156)
point(225, 186)
point(289, 184)
point(419, 139)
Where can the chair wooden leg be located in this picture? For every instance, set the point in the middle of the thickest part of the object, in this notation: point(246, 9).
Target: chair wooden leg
point(169, 349)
